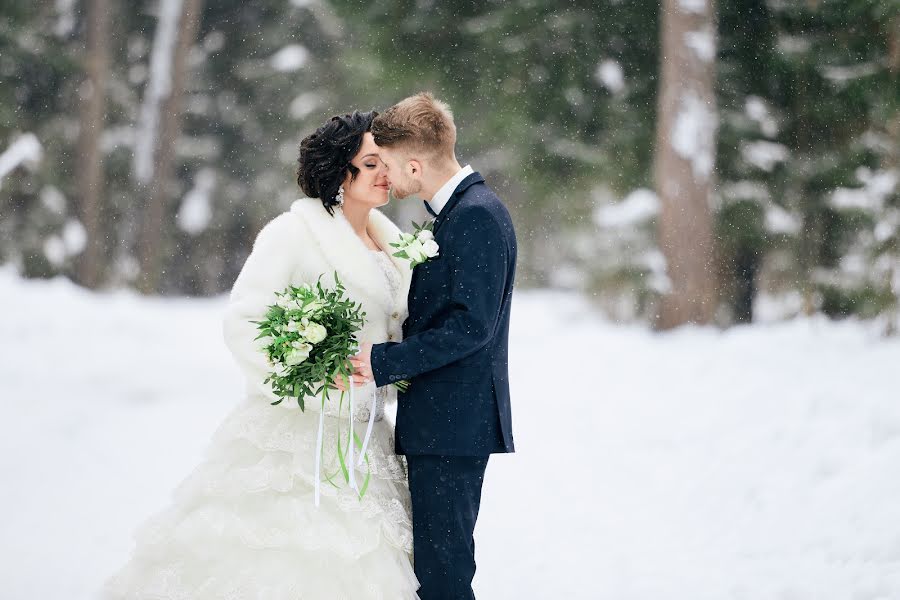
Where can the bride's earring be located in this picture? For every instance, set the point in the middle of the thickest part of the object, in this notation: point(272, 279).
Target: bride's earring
point(340, 196)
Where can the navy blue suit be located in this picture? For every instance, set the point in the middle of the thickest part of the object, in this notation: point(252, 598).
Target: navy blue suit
point(455, 356)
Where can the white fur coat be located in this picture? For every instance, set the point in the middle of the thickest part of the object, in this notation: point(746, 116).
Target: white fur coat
point(297, 247)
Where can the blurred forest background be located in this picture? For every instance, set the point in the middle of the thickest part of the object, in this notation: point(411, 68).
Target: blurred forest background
point(679, 161)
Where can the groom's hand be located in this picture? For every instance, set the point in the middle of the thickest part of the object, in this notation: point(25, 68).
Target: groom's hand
point(362, 362)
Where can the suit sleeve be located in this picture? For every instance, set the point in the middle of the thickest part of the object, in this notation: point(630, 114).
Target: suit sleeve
point(268, 269)
point(479, 263)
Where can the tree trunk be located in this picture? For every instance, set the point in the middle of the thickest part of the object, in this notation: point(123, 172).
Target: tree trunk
point(684, 161)
point(89, 267)
point(154, 223)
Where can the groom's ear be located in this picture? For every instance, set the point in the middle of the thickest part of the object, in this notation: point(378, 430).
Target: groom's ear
point(415, 167)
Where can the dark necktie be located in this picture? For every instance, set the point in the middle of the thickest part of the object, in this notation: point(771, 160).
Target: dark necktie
point(429, 209)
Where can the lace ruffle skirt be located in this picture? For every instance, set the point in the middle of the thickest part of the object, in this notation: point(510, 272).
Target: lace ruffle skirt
point(244, 524)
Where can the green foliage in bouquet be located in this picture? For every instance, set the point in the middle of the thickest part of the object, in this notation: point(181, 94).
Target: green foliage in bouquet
point(309, 335)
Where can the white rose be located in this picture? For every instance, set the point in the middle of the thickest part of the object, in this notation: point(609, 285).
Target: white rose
point(407, 237)
point(298, 354)
point(425, 235)
point(416, 251)
point(315, 333)
point(430, 248)
point(291, 326)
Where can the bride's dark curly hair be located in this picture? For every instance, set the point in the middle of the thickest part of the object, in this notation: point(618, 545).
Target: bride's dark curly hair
point(326, 154)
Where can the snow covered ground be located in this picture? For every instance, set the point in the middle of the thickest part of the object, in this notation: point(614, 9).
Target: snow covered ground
point(759, 463)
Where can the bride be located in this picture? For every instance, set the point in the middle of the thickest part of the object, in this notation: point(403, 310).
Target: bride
point(244, 524)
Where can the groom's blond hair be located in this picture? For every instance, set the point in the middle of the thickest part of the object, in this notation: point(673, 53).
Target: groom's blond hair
point(418, 124)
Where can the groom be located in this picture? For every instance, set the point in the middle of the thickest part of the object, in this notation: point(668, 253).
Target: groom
point(456, 412)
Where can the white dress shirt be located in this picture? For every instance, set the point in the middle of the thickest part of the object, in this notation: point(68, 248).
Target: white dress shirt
point(442, 196)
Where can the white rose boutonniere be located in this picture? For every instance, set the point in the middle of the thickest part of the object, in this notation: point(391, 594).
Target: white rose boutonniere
point(430, 248)
point(418, 247)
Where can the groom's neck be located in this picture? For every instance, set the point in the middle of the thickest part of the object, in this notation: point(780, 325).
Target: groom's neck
point(441, 174)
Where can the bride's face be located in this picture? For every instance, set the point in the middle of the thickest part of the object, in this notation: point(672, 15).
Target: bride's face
point(370, 186)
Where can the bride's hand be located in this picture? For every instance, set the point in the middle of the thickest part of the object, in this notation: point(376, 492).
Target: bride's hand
point(357, 379)
point(362, 362)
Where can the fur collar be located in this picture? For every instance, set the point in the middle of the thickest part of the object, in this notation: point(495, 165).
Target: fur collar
point(349, 256)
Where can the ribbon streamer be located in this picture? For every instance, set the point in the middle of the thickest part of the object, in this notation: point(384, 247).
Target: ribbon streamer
point(352, 467)
point(365, 444)
point(319, 448)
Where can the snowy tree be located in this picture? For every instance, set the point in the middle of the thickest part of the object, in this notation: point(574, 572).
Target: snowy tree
point(685, 159)
point(808, 101)
point(38, 80)
point(179, 21)
point(91, 189)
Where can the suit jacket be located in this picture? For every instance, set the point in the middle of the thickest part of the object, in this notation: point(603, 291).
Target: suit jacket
point(456, 339)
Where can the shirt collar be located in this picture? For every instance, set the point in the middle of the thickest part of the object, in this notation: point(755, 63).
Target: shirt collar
point(442, 196)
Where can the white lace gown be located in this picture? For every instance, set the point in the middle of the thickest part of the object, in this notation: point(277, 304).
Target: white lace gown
point(244, 525)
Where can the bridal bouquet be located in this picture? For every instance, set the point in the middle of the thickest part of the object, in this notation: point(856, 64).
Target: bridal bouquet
point(308, 336)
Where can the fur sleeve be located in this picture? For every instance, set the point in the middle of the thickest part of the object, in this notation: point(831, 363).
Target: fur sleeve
point(270, 268)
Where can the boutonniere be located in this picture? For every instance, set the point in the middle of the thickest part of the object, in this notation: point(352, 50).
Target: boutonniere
point(417, 247)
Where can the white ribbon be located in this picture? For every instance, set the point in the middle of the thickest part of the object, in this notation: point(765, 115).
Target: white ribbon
point(350, 466)
point(319, 450)
point(365, 444)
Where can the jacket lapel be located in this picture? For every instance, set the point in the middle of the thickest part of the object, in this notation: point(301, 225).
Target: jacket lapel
point(348, 255)
point(454, 199)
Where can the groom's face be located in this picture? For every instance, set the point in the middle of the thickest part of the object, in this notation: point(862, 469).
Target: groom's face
point(402, 172)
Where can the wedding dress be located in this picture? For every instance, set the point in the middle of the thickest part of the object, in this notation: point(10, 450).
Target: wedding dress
point(244, 524)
